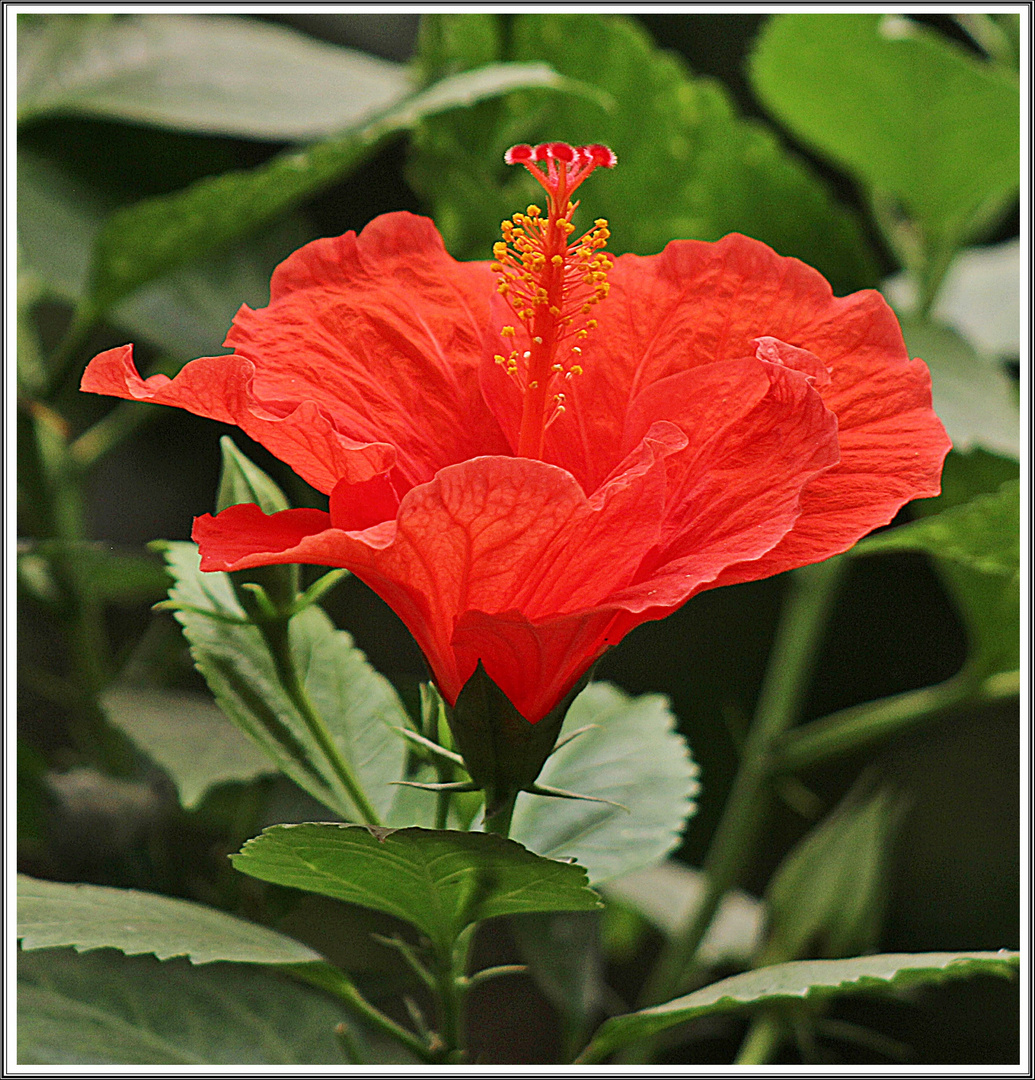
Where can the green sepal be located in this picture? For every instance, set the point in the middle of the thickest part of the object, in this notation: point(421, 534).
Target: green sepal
point(502, 751)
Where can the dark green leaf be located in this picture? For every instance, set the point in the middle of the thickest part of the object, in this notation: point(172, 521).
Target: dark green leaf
point(563, 953)
point(203, 73)
point(187, 736)
point(901, 107)
point(107, 1009)
point(155, 236)
point(688, 166)
point(807, 980)
point(53, 913)
point(359, 706)
point(439, 881)
point(632, 755)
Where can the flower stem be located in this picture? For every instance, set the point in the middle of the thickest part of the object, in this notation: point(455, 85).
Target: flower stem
point(499, 823)
point(329, 978)
point(802, 622)
point(859, 726)
point(275, 634)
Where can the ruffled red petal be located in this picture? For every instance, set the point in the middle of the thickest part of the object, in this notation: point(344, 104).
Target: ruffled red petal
point(385, 331)
point(299, 432)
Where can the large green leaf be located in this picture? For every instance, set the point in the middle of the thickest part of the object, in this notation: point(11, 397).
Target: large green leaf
point(899, 106)
point(204, 73)
point(53, 913)
point(632, 755)
point(187, 736)
point(439, 881)
point(189, 311)
point(982, 533)
point(806, 980)
point(359, 706)
point(688, 166)
point(107, 1009)
point(155, 236)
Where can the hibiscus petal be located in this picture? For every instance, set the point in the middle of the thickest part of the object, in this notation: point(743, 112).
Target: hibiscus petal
point(222, 388)
point(385, 331)
point(539, 662)
point(736, 490)
point(492, 535)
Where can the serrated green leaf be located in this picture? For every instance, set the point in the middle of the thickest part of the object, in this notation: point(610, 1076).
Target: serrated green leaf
point(107, 1009)
point(803, 980)
point(359, 706)
point(210, 74)
point(901, 107)
point(972, 394)
point(188, 736)
point(688, 166)
point(439, 881)
point(668, 894)
point(53, 913)
point(155, 236)
point(631, 755)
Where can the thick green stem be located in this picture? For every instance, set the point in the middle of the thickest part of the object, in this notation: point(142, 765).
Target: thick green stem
point(275, 634)
point(763, 1039)
point(802, 623)
point(855, 728)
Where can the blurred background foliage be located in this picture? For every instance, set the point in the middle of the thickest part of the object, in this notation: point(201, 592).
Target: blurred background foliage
point(166, 163)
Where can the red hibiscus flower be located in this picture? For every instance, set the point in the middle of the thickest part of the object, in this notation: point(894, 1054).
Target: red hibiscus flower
point(528, 458)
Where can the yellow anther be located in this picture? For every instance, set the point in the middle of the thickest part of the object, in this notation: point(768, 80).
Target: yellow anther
point(538, 340)
point(507, 331)
point(533, 211)
point(575, 369)
point(557, 260)
point(592, 324)
point(576, 350)
point(555, 311)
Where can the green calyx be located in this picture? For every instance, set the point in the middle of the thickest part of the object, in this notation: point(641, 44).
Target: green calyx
point(503, 753)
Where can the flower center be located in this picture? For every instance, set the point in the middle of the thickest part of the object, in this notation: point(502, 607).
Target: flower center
point(550, 282)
